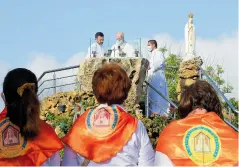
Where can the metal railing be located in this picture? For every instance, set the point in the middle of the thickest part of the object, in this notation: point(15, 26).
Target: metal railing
point(203, 73)
point(52, 82)
point(221, 94)
point(148, 100)
point(208, 78)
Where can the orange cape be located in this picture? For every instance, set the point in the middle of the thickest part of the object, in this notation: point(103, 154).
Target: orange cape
point(96, 146)
point(35, 152)
point(220, 139)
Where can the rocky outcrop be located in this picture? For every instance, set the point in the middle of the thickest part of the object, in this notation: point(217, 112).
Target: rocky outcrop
point(135, 68)
point(189, 72)
point(58, 109)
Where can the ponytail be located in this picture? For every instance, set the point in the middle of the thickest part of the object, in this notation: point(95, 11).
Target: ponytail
point(25, 113)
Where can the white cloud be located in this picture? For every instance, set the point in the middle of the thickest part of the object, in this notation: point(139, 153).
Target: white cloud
point(75, 59)
point(222, 51)
point(40, 62)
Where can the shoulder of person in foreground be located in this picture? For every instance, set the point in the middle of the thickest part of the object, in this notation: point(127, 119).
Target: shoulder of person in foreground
point(162, 159)
point(70, 158)
point(146, 152)
point(166, 132)
point(47, 132)
point(54, 160)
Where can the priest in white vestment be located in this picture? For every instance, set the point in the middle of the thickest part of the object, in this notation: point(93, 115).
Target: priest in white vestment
point(156, 77)
point(121, 48)
point(97, 49)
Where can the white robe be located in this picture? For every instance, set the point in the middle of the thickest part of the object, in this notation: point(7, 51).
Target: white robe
point(138, 151)
point(162, 159)
point(99, 49)
point(54, 160)
point(126, 48)
point(156, 77)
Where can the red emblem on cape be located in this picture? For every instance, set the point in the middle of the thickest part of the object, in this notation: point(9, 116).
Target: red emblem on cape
point(102, 118)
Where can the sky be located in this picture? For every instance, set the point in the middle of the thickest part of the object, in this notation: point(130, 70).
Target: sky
point(42, 35)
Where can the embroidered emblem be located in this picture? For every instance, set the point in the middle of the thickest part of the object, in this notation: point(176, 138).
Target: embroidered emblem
point(12, 143)
point(10, 136)
point(202, 145)
point(102, 122)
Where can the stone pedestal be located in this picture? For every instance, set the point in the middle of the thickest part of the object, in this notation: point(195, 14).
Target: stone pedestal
point(134, 67)
point(189, 72)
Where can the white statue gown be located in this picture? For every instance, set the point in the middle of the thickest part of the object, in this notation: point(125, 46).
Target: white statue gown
point(156, 77)
point(190, 40)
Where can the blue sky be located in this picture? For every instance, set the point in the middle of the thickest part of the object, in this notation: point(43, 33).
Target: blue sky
point(60, 29)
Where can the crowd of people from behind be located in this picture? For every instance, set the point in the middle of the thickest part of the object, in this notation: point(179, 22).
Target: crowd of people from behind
point(107, 135)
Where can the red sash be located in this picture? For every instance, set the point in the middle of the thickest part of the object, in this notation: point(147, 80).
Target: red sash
point(99, 134)
point(15, 151)
point(202, 139)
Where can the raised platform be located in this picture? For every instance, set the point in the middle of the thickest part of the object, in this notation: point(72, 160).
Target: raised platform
point(135, 68)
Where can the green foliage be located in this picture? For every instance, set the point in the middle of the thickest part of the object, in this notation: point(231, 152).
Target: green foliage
point(235, 120)
point(50, 117)
point(89, 102)
point(215, 74)
point(163, 49)
point(155, 125)
point(63, 121)
point(61, 152)
point(235, 103)
point(171, 72)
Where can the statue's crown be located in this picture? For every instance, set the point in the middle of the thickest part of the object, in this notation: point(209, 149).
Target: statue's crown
point(190, 15)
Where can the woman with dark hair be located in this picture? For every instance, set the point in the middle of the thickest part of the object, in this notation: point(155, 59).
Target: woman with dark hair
point(200, 137)
point(107, 135)
point(25, 140)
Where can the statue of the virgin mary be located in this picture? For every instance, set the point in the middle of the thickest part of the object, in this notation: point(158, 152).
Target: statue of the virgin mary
point(190, 39)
